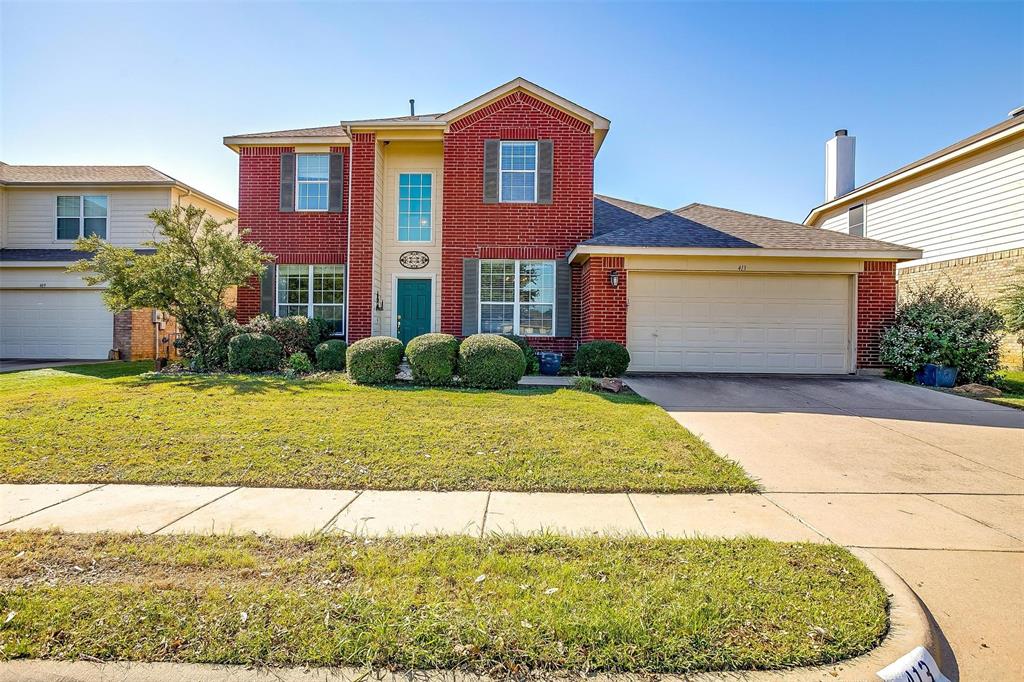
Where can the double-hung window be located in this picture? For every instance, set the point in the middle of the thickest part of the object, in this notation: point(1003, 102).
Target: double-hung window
point(855, 220)
point(312, 291)
point(517, 178)
point(312, 179)
point(82, 216)
point(415, 201)
point(517, 297)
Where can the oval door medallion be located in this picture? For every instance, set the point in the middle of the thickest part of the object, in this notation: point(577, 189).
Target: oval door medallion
point(414, 260)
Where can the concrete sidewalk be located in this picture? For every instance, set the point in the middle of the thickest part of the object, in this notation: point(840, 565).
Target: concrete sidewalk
point(289, 512)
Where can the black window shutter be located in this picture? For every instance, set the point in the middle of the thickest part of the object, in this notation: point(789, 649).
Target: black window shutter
point(268, 290)
point(334, 185)
point(287, 203)
point(563, 298)
point(470, 296)
point(492, 154)
point(545, 160)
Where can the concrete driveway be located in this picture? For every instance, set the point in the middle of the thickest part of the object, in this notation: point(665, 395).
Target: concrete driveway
point(932, 483)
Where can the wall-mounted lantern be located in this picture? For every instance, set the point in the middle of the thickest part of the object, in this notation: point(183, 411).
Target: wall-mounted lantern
point(379, 302)
point(613, 278)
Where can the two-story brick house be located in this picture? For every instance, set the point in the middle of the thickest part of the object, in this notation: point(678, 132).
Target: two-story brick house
point(484, 219)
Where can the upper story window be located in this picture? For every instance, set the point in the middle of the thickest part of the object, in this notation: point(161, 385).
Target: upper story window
point(855, 218)
point(82, 216)
point(517, 297)
point(518, 177)
point(312, 291)
point(312, 177)
point(415, 207)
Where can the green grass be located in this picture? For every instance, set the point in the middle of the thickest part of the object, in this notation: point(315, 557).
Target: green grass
point(1012, 384)
point(543, 603)
point(110, 423)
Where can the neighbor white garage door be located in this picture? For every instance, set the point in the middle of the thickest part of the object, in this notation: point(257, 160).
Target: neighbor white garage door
point(54, 325)
point(687, 322)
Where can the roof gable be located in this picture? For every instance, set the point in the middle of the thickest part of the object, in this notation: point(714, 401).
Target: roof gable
point(596, 121)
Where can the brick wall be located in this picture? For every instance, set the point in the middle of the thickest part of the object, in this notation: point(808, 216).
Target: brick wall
point(361, 203)
point(473, 229)
point(133, 335)
point(876, 309)
point(603, 307)
point(296, 237)
point(986, 275)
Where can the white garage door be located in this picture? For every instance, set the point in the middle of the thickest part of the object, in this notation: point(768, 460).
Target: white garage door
point(687, 322)
point(54, 325)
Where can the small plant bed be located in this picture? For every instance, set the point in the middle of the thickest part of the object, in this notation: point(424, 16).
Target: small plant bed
point(502, 605)
point(110, 423)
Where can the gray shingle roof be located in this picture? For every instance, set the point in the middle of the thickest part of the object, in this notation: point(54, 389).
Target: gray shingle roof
point(81, 174)
point(618, 223)
point(57, 255)
point(322, 131)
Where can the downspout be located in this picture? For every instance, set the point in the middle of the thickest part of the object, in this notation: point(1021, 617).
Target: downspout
point(348, 240)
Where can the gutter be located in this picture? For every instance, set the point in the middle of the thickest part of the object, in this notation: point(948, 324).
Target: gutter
point(348, 238)
point(581, 252)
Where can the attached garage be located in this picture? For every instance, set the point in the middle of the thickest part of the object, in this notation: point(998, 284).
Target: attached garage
point(54, 325)
point(718, 322)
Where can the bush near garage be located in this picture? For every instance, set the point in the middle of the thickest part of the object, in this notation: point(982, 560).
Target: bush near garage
point(602, 359)
point(254, 353)
point(490, 361)
point(330, 355)
point(374, 360)
point(943, 324)
point(433, 358)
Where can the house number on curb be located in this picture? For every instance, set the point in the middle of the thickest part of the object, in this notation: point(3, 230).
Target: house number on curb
point(916, 666)
point(414, 260)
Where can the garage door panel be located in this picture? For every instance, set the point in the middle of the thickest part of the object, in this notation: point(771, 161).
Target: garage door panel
point(739, 323)
point(54, 324)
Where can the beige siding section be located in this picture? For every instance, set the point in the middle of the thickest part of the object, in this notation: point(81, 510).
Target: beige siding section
point(214, 210)
point(3, 217)
point(32, 215)
point(972, 207)
point(52, 277)
point(416, 157)
point(379, 326)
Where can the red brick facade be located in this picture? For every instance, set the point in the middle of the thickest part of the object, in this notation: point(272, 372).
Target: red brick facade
point(134, 335)
point(876, 309)
point(472, 229)
point(602, 306)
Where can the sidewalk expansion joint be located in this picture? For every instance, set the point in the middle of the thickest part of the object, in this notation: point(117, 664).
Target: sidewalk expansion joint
point(643, 526)
point(193, 511)
point(67, 499)
point(483, 521)
point(345, 506)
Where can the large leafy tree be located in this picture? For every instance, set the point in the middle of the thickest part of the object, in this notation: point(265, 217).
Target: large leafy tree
point(197, 260)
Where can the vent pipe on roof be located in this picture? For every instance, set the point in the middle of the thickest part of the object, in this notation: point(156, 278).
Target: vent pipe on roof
point(1019, 111)
point(412, 107)
point(840, 154)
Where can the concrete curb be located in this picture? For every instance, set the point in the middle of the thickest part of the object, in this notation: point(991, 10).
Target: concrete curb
point(909, 627)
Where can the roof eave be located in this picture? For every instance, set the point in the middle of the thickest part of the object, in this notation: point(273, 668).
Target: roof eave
point(584, 251)
point(237, 142)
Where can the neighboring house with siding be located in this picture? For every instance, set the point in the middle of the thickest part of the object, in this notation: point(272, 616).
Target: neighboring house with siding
point(49, 313)
point(963, 206)
point(484, 219)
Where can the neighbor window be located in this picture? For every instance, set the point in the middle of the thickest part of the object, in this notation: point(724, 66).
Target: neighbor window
point(311, 176)
point(312, 291)
point(518, 177)
point(415, 215)
point(81, 216)
point(856, 220)
point(517, 297)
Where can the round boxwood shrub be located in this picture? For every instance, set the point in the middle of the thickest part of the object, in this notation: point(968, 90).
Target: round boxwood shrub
point(254, 353)
point(330, 355)
point(602, 359)
point(432, 358)
point(532, 363)
point(299, 362)
point(490, 361)
point(374, 360)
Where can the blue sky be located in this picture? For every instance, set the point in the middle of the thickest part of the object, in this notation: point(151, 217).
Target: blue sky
point(722, 103)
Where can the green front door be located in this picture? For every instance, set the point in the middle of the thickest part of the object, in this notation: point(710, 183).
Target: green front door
point(413, 308)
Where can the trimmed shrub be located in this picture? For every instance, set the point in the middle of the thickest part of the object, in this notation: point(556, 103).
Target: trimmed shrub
point(295, 333)
point(218, 354)
point(330, 355)
point(299, 362)
point(374, 360)
point(946, 325)
point(432, 358)
point(602, 359)
point(490, 361)
point(532, 363)
point(254, 353)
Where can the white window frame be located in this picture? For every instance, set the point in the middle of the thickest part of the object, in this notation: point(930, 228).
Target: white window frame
point(501, 173)
point(81, 216)
point(516, 303)
point(309, 302)
point(299, 183)
point(398, 206)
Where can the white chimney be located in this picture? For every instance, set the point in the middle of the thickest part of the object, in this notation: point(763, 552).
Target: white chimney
point(839, 165)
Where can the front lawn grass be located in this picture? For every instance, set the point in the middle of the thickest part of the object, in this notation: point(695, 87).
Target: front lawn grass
point(110, 423)
point(1012, 384)
point(500, 605)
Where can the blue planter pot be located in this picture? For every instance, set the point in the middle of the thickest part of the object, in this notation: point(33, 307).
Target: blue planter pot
point(936, 375)
point(550, 363)
point(926, 375)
